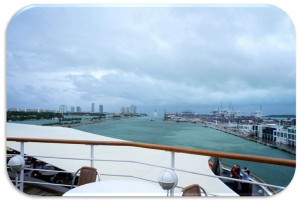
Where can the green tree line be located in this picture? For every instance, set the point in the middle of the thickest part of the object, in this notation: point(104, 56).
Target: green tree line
point(21, 116)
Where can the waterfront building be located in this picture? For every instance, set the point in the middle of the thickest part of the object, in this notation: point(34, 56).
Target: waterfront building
point(72, 109)
point(265, 131)
point(101, 108)
point(280, 134)
point(246, 128)
point(63, 108)
point(255, 129)
point(233, 125)
point(285, 136)
point(93, 108)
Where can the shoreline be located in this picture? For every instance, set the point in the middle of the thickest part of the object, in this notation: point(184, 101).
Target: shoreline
point(274, 145)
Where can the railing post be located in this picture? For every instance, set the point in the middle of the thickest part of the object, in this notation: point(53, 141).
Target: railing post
point(172, 166)
point(173, 160)
point(92, 155)
point(22, 171)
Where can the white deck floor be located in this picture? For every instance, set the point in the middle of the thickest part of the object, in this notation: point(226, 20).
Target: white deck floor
point(182, 161)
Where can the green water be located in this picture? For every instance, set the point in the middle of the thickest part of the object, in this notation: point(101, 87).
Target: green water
point(190, 135)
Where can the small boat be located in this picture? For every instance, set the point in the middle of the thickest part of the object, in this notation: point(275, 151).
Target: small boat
point(154, 115)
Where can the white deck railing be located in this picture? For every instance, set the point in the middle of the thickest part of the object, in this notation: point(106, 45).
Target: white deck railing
point(172, 150)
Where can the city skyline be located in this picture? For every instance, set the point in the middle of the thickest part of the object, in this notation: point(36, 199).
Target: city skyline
point(63, 108)
point(132, 109)
point(205, 56)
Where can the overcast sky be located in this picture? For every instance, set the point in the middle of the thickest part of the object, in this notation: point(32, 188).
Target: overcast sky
point(178, 58)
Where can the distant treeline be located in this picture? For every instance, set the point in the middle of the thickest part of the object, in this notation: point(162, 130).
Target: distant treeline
point(21, 116)
point(84, 114)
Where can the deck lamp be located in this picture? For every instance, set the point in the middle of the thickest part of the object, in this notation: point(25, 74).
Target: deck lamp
point(168, 180)
point(16, 164)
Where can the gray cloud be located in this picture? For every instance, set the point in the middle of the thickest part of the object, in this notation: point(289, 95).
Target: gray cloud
point(164, 56)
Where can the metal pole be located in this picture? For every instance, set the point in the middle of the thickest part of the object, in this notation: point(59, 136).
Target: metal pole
point(22, 171)
point(17, 180)
point(173, 160)
point(172, 166)
point(92, 155)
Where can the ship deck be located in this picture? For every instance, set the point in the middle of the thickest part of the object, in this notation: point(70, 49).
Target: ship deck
point(155, 157)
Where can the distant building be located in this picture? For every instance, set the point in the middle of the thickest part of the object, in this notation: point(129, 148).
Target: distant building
point(72, 109)
point(78, 109)
point(93, 108)
point(49, 110)
point(257, 114)
point(133, 109)
point(63, 108)
point(101, 108)
point(32, 110)
point(122, 110)
point(13, 109)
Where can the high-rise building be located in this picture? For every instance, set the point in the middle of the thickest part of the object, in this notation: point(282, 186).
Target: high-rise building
point(101, 108)
point(93, 108)
point(133, 109)
point(63, 108)
point(78, 109)
point(72, 109)
point(122, 110)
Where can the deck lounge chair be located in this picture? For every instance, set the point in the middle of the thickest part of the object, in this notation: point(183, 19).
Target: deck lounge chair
point(87, 175)
point(193, 190)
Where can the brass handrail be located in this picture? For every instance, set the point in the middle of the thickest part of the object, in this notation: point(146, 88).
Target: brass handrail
point(261, 159)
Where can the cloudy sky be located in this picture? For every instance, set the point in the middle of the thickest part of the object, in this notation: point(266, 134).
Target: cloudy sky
point(176, 57)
